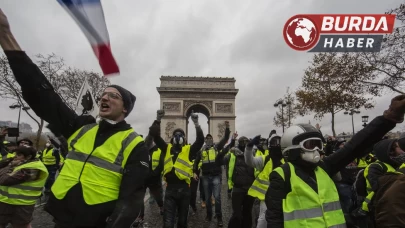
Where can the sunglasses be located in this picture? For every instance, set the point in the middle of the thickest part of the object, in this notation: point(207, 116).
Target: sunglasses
point(112, 95)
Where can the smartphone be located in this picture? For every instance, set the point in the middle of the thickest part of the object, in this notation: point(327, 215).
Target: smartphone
point(13, 132)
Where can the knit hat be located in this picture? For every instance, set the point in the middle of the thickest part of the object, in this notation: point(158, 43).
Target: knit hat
point(127, 97)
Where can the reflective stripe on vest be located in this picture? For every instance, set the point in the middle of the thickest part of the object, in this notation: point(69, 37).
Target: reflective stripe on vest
point(303, 207)
point(98, 170)
point(48, 158)
point(208, 156)
point(370, 192)
point(156, 158)
point(231, 167)
point(25, 193)
point(182, 166)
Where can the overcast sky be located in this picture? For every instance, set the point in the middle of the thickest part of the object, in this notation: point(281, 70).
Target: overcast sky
point(228, 38)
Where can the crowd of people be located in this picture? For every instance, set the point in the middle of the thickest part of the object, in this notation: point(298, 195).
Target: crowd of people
point(298, 179)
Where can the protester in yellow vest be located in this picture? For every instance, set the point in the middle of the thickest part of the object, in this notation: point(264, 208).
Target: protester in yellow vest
point(212, 173)
point(176, 158)
point(52, 159)
point(22, 179)
point(262, 148)
point(265, 165)
point(301, 192)
point(101, 182)
point(390, 157)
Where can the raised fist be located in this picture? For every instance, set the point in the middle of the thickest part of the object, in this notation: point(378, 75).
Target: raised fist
point(235, 135)
point(194, 117)
point(227, 124)
point(255, 141)
point(396, 110)
point(160, 114)
point(4, 25)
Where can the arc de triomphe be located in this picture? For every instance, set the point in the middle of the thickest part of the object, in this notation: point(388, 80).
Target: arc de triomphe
point(212, 96)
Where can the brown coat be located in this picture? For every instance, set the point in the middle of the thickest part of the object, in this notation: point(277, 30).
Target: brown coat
point(389, 201)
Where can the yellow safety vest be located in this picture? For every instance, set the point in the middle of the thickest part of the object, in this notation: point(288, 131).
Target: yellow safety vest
point(28, 192)
point(261, 184)
point(259, 153)
point(48, 158)
point(208, 156)
point(9, 155)
point(156, 158)
point(99, 170)
point(370, 192)
point(183, 167)
point(303, 207)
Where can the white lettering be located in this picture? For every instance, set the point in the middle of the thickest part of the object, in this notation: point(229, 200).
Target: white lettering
point(343, 25)
point(350, 42)
point(360, 42)
point(368, 21)
point(369, 43)
point(327, 24)
point(382, 24)
point(330, 43)
point(355, 23)
point(339, 43)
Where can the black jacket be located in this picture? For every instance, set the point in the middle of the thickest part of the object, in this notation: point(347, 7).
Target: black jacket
point(72, 211)
point(211, 169)
point(171, 178)
point(355, 148)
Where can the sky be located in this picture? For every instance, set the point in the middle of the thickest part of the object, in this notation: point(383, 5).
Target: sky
point(229, 38)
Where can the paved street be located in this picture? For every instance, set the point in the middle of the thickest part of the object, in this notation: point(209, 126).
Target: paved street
point(152, 216)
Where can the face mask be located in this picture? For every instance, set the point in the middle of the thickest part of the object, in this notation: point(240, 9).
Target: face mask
point(178, 140)
point(311, 156)
point(209, 142)
point(400, 158)
point(47, 145)
point(275, 152)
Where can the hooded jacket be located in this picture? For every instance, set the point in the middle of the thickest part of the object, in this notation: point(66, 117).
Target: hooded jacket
point(375, 170)
point(355, 148)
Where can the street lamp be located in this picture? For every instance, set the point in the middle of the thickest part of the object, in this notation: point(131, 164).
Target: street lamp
point(364, 119)
point(352, 112)
point(19, 115)
point(283, 104)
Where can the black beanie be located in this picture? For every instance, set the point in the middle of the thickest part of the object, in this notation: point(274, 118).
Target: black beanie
point(127, 97)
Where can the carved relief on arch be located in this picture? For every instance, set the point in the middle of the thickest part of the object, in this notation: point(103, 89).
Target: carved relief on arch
point(223, 108)
point(169, 130)
point(221, 130)
point(188, 103)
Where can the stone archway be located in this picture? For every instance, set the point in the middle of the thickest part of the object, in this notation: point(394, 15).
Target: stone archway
point(212, 96)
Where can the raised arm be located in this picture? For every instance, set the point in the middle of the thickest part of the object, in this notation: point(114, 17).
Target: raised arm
point(36, 89)
point(154, 131)
point(199, 141)
point(250, 159)
point(224, 139)
point(371, 134)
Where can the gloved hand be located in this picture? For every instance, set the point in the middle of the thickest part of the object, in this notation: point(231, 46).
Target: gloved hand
point(359, 212)
point(160, 114)
point(255, 141)
point(396, 110)
point(194, 118)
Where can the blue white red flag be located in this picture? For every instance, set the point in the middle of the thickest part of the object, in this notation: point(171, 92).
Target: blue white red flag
point(89, 15)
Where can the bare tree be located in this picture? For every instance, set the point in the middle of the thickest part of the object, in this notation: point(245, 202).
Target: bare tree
point(66, 81)
point(290, 110)
point(387, 67)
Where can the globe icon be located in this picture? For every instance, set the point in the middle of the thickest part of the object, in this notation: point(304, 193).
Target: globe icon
point(301, 33)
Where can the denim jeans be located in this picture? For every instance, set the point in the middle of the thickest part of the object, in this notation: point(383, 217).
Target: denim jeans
point(345, 196)
point(212, 186)
point(176, 199)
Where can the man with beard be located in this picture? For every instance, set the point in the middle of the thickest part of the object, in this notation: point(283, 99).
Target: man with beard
point(101, 182)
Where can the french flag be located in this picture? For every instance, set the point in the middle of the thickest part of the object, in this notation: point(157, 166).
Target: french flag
point(89, 15)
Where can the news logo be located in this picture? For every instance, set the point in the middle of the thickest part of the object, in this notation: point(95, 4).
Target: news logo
point(337, 32)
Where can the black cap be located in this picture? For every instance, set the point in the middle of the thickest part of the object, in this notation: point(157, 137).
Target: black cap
point(26, 151)
point(208, 135)
point(127, 97)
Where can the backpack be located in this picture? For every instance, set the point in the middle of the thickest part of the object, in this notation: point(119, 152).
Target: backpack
point(360, 185)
